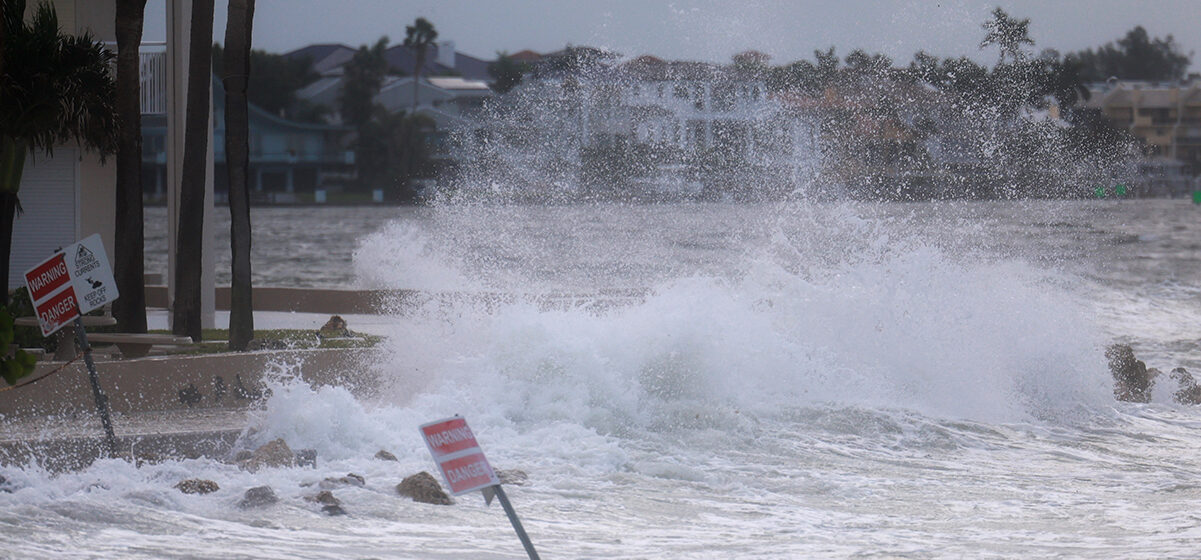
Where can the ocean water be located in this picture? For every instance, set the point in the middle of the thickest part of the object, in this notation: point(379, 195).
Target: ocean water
point(786, 380)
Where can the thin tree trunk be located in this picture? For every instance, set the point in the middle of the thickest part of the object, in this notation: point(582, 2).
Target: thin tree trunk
point(12, 167)
point(417, 76)
point(130, 308)
point(188, 265)
point(237, 155)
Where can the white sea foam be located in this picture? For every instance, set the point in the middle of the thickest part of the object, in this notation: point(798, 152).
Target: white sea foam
point(840, 386)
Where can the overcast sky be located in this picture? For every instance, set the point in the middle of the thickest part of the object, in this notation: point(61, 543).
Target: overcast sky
point(708, 30)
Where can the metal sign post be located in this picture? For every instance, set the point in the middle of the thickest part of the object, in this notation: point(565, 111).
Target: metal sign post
point(72, 282)
point(525, 539)
point(110, 439)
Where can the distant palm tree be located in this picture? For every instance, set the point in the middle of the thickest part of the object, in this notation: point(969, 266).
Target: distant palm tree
point(419, 37)
point(1009, 34)
point(128, 236)
point(236, 78)
point(54, 88)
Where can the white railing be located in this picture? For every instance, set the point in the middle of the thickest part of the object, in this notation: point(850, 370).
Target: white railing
point(152, 69)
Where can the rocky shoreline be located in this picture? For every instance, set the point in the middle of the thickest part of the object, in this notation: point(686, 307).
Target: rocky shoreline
point(1133, 381)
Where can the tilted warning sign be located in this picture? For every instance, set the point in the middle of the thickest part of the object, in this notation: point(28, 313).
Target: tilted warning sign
point(458, 455)
point(72, 282)
point(91, 274)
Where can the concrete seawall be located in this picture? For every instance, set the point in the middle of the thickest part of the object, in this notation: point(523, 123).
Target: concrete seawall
point(169, 406)
point(179, 382)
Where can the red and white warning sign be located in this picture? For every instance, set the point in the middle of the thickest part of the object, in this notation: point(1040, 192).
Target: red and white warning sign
point(75, 281)
point(458, 455)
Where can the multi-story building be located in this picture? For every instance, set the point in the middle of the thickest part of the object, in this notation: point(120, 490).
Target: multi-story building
point(1166, 117)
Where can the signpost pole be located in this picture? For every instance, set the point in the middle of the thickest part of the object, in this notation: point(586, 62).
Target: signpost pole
point(110, 440)
point(525, 539)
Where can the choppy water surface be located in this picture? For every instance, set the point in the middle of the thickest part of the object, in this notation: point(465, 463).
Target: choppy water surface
point(724, 381)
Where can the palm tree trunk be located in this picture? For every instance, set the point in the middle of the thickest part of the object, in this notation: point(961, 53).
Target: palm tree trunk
point(130, 308)
point(417, 76)
point(237, 154)
point(188, 267)
point(12, 166)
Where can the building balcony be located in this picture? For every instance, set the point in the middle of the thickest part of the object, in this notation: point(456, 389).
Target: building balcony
point(152, 72)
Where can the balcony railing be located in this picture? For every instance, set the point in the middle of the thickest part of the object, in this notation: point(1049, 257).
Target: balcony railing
point(152, 70)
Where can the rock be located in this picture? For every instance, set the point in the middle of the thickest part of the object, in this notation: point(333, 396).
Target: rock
point(257, 497)
point(333, 328)
point(1131, 380)
point(4, 486)
point(350, 479)
point(241, 391)
point(514, 477)
point(1189, 392)
point(385, 456)
point(274, 453)
point(243, 455)
point(333, 510)
point(327, 498)
point(190, 395)
point(197, 486)
point(306, 458)
point(422, 487)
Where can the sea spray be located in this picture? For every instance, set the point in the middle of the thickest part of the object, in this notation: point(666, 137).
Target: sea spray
point(889, 323)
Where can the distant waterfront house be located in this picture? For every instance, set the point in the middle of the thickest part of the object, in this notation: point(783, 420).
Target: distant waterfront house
point(453, 86)
point(1166, 117)
point(285, 156)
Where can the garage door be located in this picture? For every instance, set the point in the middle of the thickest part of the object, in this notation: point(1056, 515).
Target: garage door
point(48, 197)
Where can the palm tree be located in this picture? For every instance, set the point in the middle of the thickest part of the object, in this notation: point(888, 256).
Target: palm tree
point(236, 70)
point(55, 88)
point(129, 237)
point(1009, 34)
point(419, 37)
point(186, 309)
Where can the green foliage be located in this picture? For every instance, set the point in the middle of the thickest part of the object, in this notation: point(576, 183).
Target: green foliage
point(19, 305)
point(364, 74)
point(392, 150)
point(56, 88)
point(20, 363)
point(419, 36)
point(1010, 34)
point(274, 80)
point(1135, 57)
point(506, 72)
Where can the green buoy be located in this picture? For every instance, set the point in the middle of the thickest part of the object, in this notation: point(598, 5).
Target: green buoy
point(1196, 197)
point(1100, 192)
point(1120, 190)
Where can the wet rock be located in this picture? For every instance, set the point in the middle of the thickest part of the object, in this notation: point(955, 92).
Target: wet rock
point(514, 477)
point(274, 453)
point(333, 328)
point(257, 497)
point(4, 485)
point(325, 497)
point(385, 456)
point(243, 455)
point(197, 486)
point(351, 479)
point(1131, 380)
point(1189, 392)
point(333, 510)
point(306, 458)
point(241, 391)
point(190, 395)
point(422, 487)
